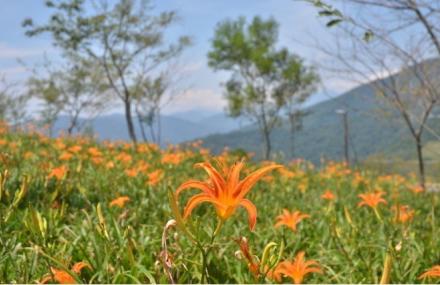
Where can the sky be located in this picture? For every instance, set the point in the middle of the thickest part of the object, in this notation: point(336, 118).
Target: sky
point(197, 18)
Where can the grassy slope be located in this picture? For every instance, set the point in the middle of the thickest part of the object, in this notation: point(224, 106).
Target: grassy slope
point(57, 222)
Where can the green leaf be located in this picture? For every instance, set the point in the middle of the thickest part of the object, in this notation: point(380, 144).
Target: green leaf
point(333, 22)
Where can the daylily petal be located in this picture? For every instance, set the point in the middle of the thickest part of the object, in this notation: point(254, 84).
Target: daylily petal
point(62, 276)
point(77, 267)
point(205, 187)
point(252, 212)
point(196, 200)
point(234, 174)
point(313, 270)
point(214, 175)
point(246, 184)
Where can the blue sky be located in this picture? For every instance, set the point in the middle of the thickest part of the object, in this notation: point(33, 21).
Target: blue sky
point(198, 18)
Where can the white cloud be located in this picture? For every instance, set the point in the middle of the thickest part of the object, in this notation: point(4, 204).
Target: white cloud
point(11, 71)
point(206, 99)
point(343, 82)
point(339, 85)
point(8, 52)
point(192, 67)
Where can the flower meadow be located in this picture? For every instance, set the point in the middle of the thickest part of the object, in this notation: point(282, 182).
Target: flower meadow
point(73, 210)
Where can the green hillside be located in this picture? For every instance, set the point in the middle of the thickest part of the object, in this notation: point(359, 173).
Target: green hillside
point(375, 129)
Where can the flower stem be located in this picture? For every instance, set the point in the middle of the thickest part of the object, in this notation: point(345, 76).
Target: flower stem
point(205, 252)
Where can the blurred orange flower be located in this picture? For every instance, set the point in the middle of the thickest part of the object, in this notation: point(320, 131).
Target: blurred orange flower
point(417, 189)
point(431, 272)
point(110, 165)
point(59, 172)
point(372, 199)
point(290, 219)
point(244, 249)
point(172, 158)
point(155, 177)
point(286, 173)
point(297, 269)
point(403, 214)
point(59, 144)
point(120, 201)
point(97, 160)
point(124, 157)
point(225, 191)
point(132, 172)
point(28, 154)
point(74, 149)
point(93, 151)
point(63, 277)
point(65, 156)
point(328, 195)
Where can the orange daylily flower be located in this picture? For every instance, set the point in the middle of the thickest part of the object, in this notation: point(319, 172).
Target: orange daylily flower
point(93, 151)
point(254, 266)
point(66, 156)
point(110, 165)
point(59, 144)
point(431, 272)
point(28, 154)
point(404, 214)
point(133, 172)
point(172, 158)
point(97, 160)
point(120, 201)
point(58, 172)
point(297, 269)
point(63, 277)
point(328, 195)
point(225, 190)
point(155, 177)
point(75, 149)
point(124, 158)
point(290, 219)
point(204, 151)
point(417, 189)
point(287, 173)
point(372, 199)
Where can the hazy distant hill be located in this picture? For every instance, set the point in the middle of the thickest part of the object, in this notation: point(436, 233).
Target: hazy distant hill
point(175, 129)
point(374, 129)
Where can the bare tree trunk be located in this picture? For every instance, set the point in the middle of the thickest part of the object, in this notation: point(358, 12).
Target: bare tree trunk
point(70, 128)
point(421, 161)
point(292, 139)
point(129, 120)
point(73, 124)
point(159, 127)
point(141, 126)
point(267, 144)
point(346, 153)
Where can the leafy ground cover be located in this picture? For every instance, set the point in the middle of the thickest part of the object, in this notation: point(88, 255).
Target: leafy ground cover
point(73, 210)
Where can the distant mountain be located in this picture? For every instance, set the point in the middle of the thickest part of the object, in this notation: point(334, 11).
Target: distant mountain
point(175, 129)
point(194, 115)
point(374, 128)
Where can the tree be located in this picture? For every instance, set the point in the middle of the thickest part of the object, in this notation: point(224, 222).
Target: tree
point(152, 95)
point(262, 75)
point(125, 40)
point(148, 101)
point(391, 35)
point(12, 103)
point(300, 81)
point(76, 88)
point(51, 99)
